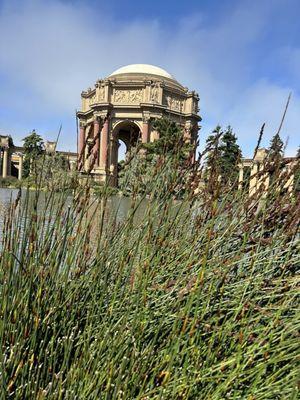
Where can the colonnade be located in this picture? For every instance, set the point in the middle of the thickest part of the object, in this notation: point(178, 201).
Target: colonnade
point(260, 176)
point(7, 158)
point(98, 144)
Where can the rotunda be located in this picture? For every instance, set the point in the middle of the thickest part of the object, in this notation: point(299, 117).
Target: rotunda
point(122, 107)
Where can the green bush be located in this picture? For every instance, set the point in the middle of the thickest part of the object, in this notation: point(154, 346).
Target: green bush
point(10, 181)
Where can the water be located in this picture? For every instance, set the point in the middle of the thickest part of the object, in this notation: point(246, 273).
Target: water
point(6, 195)
point(116, 205)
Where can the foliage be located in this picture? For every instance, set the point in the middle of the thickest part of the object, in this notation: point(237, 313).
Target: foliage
point(297, 171)
point(212, 149)
point(276, 149)
point(230, 156)
point(9, 181)
point(33, 148)
point(223, 155)
point(147, 161)
point(195, 299)
point(52, 173)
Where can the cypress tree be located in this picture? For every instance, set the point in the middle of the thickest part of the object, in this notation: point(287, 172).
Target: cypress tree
point(230, 156)
point(276, 149)
point(212, 149)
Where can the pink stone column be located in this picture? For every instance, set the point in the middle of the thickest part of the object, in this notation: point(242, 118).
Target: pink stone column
point(81, 142)
point(97, 141)
point(145, 132)
point(104, 145)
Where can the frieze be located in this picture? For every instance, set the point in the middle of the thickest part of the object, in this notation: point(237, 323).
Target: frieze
point(128, 96)
point(174, 102)
point(101, 93)
point(93, 99)
point(154, 96)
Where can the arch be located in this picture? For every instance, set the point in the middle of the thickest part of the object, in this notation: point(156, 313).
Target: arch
point(129, 132)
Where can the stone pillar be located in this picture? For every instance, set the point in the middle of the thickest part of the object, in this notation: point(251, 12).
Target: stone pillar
point(5, 162)
point(9, 163)
point(241, 176)
point(96, 149)
point(81, 142)
point(187, 132)
point(20, 172)
point(154, 135)
point(253, 178)
point(114, 149)
point(71, 165)
point(263, 179)
point(145, 131)
point(104, 145)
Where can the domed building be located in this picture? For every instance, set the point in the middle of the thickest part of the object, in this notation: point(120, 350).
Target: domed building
point(122, 107)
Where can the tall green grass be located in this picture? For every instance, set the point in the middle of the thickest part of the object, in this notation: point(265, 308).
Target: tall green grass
point(197, 299)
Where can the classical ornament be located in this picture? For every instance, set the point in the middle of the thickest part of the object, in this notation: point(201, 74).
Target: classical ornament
point(154, 92)
point(128, 96)
point(101, 93)
point(195, 107)
point(174, 102)
point(93, 99)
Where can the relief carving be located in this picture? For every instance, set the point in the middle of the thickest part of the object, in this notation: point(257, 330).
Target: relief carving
point(174, 102)
point(93, 99)
point(195, 107)
point(154, 93)
point(101, 93)
point(128, 96)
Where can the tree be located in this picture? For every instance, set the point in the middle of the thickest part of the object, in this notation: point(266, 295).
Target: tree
point(223, 155)
point(230, 156)
point(170, 142)
point(276, 149)
point(212, 149)
point(33, 148)
point(167, 158)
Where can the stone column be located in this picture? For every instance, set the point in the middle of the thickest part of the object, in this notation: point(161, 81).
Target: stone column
point(154, 135)
point(241, 176)
point(71, 165)
point(96, 148)
point(263, 179)
point(187, 132)
point(145, 131)
point(9, 163)
point(81, 142)
point(253, 178)
point(5, 162)
point(20, 172)
point(104, 145)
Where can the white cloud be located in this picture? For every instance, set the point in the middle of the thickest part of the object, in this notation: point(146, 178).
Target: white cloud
point(265, 102)
point(50, 51)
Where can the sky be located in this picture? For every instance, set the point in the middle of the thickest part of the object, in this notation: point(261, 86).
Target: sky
point(241, 56)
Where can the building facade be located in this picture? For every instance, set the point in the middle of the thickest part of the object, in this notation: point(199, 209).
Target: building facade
point(11, 157)
point(123, 107)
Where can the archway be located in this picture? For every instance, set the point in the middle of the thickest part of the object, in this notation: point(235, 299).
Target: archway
point(128, 133)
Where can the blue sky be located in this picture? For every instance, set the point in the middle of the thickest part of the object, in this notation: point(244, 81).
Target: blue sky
point(242, 57)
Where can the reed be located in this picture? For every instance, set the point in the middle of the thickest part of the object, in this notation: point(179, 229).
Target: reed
point(196, 299)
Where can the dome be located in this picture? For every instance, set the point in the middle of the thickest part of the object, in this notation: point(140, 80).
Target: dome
point(145, 69)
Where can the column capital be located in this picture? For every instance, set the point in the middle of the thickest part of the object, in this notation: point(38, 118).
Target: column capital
point(97, 118)
point(146, 117)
